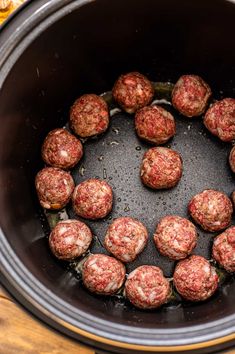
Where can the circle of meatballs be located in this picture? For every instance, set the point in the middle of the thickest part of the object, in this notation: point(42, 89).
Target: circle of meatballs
point(175, 237)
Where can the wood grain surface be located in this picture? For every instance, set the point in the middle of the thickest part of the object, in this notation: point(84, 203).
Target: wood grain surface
point(20, 333)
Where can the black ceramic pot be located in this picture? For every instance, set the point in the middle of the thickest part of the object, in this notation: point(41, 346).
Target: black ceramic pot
point(52, 51)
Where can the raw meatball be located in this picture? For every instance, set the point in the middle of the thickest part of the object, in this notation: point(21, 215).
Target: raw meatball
point(224, 249)
point(133, 91)
point(232, 159)
point(89, 116)
point(220, 119)
point(195, 279)
point(54, 187)
point(70, 239)
point(102, 274)
point(211, 209)
point(190, 95)
point(126, 238)
point(154, 124)
point(147, 288)
point(175, 237)
point(61, 149)
point(93, 199)
point(161, 168)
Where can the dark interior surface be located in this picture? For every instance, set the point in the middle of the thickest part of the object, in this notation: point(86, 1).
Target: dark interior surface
point(84, 52)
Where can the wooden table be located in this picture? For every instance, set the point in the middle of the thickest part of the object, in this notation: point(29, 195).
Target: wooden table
point(20, 333)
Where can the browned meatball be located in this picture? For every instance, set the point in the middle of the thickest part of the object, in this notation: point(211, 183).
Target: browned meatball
point(133, 91)
point(93, 199)
point(89, 116)
point(54, 187)
point(154, 124)
point(147, 288)
point(232, 159)
point(126, 238)
point(195, 279)
point(220, 119)
point(70, 239)
point(190, 95)
point(61, 149)
point(224, 249)
point(175, 237)
point(102, 274)
point(161, 168)
point(211, 209)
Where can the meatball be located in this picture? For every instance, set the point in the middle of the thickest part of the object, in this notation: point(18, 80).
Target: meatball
point(54, 187)
point(92, 199)
point(211, 209)
point(154, 124)
point(61, 149)
point(126, 238)
point(147, 288)
point(223, 250)
point(195, 279)
point(70, 239)
point(220, 119)
point(161, 168)
point(102, 274)
point(89, 116)
point(133, 91)
point(232, 159)
point(175, 237)
point(190, 95)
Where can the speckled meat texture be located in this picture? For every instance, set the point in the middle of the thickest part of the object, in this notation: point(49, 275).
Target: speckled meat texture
point(126, 238)
point(224, 249)
point(70, 239)
point(92, 199)
point(211, 209)
point(154, 124)
point(103, 275)
point(89, 116)
point(133, 91)
point(175, 237)
point(54, 187)
point(232, 159)
point(147, 288)
point(220, 119)
point(61, 149)
point(161, 168)
point(195, 279)
point(190, 95)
